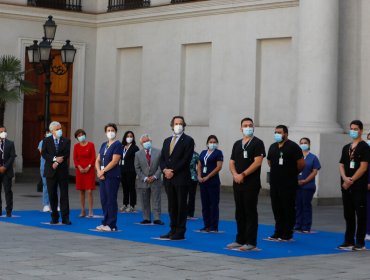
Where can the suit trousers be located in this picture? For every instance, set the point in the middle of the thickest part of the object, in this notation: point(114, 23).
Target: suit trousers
point(283, 207)
point(151, 199)
point(246, 215)
point(176, 195)
point(6, 181)
point(129, 190)
point(354, 206)
point(191, 198)
point(108, 196)
point(303, 208)
point(210, 197)
point(53, 184)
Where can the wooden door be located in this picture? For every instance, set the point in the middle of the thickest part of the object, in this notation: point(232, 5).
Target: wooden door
point(34, 109)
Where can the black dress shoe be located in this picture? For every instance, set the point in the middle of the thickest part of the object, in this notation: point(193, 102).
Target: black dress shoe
point(158, 222)
point(166, 236)
point(8, 214)
point(177, 237)
point(54, 222)
point(66, 222)
point(145, 222)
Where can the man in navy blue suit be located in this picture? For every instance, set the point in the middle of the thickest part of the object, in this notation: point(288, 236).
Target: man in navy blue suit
point(175, 160)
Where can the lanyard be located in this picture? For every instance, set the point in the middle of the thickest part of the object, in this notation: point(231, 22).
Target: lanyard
point(105, 151)
point(206, 158)
point(351, 152)
point(125, 151)
point(245, 146)
point(2, 149)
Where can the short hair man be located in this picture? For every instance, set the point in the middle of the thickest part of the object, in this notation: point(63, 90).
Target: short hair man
point(7, 157)
point(245, 166)
point(353, 166)
point(286, 161)
point(148, 180)
point(175, 160)
point(55, 151)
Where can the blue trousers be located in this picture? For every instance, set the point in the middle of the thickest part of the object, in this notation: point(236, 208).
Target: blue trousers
point(303, 208)
point(108, 197)
point(45, 195)
point(210, 197)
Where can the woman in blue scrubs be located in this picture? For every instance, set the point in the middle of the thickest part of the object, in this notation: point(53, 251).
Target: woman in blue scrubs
point(109, 174)
point(306, 188)
point(209, 181)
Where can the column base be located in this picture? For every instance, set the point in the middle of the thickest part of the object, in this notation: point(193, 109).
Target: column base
point(321, 127)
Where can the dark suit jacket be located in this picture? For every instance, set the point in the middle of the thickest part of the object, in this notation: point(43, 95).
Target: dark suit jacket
point(179, 160)
point(9, 157)
point(49, 152)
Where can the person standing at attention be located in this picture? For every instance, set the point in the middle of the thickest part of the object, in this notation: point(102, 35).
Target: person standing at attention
point(353, 167)
point(175, 160)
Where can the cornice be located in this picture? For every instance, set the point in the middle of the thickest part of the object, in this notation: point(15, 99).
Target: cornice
point(161, 13)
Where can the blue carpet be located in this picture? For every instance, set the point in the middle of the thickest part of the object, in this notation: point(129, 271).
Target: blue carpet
point(303, 245)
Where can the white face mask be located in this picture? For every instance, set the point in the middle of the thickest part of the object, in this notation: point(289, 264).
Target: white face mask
point(3, 135)
point(178, 129)
point(129, 140)
point(111, 135)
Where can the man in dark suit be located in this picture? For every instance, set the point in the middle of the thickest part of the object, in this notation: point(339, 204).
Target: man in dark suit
point(55, 151)
point(7, 156)
point(175, 160)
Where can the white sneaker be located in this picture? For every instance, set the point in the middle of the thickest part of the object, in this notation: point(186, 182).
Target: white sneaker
point(58, 209)
point(130, 209)
point(123, 208)
point(100, 228)
point(46, 208)
point(108, 228)
point(367, 237)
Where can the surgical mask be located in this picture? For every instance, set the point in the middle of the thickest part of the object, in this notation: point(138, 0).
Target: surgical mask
point(304, 147)
point(129, 140)
point(368, 142)
point(278, 137)
point(212, 146)
point(248, 131)
point(48, 134)
point(178, 129)
point(81, 138)
point(59, 133)
point(111, 135)
point(3, 135)
point(147, 145)
point(353, 134)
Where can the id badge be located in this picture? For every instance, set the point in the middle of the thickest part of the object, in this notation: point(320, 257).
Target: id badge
point(281, 161)
point(245, 154)
point(123, 162)
point(205, 169)
point(102, 167)
point(352, 164)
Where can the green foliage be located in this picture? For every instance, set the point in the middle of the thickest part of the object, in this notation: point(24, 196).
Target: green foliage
point(12, 84)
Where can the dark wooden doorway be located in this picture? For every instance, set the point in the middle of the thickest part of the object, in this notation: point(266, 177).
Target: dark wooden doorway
point(34, 106)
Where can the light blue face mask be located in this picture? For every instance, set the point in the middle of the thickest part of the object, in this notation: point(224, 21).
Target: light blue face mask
point(59, 133)
point(248, 131)
point(48, 134)
point(368, 142)
point(353, 134)
point(278, 137)
point(212, 146)
point(81, 138)
point(304, 147)
point(147, 145)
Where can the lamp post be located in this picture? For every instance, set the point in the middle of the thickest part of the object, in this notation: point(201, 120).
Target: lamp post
point(39, 55)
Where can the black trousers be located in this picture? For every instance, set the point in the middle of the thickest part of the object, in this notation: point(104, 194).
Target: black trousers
point(6, 181)
point(176, 196)
point(191, 198)
point(246, 215)
point(354, 206)
point(52, 184)
point(129, 190)
point(283, 206)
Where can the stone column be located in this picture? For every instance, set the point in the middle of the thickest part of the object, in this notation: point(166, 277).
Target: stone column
point(317, 66)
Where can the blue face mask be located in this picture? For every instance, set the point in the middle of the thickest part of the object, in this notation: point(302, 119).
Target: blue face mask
point(248, 131)
point(278, 137)
point(212, 146)
point(147, 145)
point(81, 138)
point(59, 133)
point(353, 134)
point(368, 142)
point(48, 134)
point(304, 147)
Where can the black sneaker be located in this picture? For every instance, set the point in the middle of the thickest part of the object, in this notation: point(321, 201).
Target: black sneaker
point(145, 222)
point(359, 247)
point(346, 246)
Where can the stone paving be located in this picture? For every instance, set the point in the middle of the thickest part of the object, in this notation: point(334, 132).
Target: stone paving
point(33, 253)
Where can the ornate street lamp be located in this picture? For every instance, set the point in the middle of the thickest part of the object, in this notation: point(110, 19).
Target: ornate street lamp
point(39, 55)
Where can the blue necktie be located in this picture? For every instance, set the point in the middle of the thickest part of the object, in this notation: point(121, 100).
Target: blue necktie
point(56, 145)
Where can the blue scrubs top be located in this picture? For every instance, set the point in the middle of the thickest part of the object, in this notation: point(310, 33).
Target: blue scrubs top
point(312, 162)
point(212, 160)
point(106, 156)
